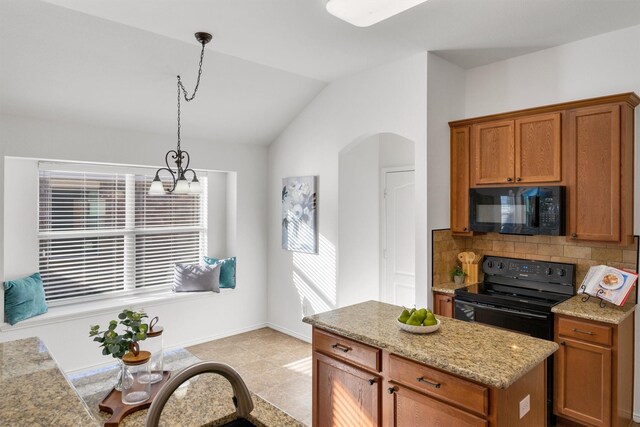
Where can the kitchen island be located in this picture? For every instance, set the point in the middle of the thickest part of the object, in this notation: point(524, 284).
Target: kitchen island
point(36, 393)
point(367, 369)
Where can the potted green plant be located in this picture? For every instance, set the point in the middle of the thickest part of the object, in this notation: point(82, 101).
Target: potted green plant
point(117, 344)
point(458, 275)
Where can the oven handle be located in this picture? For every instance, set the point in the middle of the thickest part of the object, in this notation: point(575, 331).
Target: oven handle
point(504, 310)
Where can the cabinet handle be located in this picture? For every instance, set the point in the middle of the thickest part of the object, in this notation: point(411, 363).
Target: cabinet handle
point(563, 343)
point(448, 299)
point(582, 332)
point(391, 390)
point(509, 179)
point(427, 382)
point(518, 179)
point(341, 347)
point(464, 229)
point(574, 235)
point(372, 381)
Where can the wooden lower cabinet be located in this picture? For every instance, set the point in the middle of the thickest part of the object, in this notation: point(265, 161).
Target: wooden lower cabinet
point(344, 395)
point(443, 304)
point(594, 372)
point(415, 409)
point(398, 392)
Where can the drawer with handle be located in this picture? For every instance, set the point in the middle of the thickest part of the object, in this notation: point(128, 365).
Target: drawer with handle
point(347, 350)
point(457, 391)
point(585, 331)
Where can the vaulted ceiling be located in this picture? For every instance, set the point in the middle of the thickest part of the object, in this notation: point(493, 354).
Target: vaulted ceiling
point(114, 62)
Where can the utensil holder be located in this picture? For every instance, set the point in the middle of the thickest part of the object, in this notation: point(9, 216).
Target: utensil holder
point(472, 273)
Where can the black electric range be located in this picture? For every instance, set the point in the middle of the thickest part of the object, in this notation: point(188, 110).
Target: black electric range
point(518, 295)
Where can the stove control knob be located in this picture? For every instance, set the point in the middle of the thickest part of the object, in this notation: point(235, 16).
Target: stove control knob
point(490, 264)
point(500, 265)
point(549, 271)
point(561, 272)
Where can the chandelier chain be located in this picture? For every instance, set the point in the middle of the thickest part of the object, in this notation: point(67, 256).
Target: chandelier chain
point(184, 91)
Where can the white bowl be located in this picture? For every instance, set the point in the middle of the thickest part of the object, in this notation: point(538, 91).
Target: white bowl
point(419, 329)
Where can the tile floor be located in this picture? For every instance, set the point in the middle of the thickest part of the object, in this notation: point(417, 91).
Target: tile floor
point(275, 366)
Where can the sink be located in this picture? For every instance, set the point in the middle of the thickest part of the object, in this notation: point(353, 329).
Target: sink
point(241, 396)
point(239, 422)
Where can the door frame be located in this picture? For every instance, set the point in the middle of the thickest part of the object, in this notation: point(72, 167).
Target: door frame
point(382, 292)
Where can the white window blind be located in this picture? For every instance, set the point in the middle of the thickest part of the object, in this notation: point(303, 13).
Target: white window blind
point(101, 233)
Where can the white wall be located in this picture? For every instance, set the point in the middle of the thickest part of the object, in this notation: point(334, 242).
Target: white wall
point(390, 98)
point(185, 320)
point(597, 66)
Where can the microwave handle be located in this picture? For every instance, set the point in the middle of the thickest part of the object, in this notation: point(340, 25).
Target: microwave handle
point(535, 214)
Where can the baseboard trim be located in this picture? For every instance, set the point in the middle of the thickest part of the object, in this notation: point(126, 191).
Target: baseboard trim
point(636, 417)
point(182, 344)
point(284, 330)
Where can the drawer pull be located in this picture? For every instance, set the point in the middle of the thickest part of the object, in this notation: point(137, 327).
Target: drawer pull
point(563, 343)
point(372, 381)
point(582, 332)
point(391, 390)
point(341, 347)
point(427, 382)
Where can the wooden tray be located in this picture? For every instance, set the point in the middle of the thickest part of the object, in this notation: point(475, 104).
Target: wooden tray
point(112, 403)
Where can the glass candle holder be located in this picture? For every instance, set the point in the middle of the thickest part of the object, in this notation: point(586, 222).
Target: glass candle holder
point(135, 365)
point(154, 345)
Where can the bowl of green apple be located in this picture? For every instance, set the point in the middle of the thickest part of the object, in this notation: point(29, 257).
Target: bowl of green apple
point(420, 321)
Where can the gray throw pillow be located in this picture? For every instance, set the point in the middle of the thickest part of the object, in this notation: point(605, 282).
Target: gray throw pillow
point(196, 278)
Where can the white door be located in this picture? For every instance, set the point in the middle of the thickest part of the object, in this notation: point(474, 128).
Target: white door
point(398, 248)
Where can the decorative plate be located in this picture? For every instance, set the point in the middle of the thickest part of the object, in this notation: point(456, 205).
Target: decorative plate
point(418, 329)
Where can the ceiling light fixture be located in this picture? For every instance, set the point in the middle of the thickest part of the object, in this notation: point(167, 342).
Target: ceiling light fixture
point(181, 158)
point(364, 13)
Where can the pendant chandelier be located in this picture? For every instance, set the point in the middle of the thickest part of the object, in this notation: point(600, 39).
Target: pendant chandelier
point(179, 173)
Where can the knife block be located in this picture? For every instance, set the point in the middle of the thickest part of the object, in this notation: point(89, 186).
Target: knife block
point(472, 273)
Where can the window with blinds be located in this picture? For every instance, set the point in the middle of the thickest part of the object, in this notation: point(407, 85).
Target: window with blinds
point(101, 233)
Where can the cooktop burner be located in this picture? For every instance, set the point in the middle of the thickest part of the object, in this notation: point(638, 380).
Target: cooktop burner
point(521, 284)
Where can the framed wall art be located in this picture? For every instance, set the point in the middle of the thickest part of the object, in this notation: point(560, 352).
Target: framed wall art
point(300, 214)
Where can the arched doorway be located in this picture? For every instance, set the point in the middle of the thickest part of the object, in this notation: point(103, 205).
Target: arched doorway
point(376, 245)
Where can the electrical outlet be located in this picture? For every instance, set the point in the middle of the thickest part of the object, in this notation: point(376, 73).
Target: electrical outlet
point(525, 406)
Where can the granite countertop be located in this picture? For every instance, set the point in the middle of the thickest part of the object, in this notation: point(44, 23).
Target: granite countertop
point(447, 288)
point(591, 310)
point(38, 394)
point(488, 355)
point(34, 391)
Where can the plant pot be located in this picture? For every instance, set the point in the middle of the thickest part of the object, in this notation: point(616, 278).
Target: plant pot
point(458, 280)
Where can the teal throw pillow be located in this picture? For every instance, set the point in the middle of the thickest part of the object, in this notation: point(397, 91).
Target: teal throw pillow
point(227, 271)
point(24, 298)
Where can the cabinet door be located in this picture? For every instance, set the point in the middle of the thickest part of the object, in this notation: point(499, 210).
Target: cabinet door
point(493, 152)
point(415, 409)
point(443, 304)
point(594, 193)
point(460, 180)
point(538, 149)
point(344, 395)
point(583, 382)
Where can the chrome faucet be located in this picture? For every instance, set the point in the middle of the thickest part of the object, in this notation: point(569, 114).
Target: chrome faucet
point(241, 396)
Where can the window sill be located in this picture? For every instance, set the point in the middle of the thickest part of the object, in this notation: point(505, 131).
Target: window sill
point(89, 309)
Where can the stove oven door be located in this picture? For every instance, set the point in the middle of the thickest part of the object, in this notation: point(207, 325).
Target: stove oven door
point(539, 325)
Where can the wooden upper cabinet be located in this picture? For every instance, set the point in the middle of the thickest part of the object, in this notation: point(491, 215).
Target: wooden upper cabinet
point(460, 180)
point(595, 203)
point(492, 147)
point(538, 149)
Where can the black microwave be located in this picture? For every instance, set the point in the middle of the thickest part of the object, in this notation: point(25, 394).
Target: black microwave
point(517, 210)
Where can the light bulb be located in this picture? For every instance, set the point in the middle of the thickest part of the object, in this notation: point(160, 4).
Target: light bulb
point(195, 187)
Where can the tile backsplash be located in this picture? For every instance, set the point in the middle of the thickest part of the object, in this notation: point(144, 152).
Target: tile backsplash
point(541, 248)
